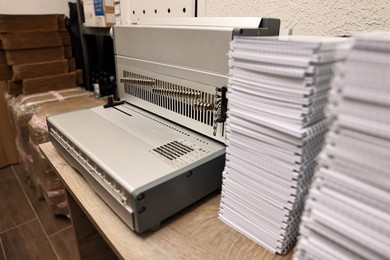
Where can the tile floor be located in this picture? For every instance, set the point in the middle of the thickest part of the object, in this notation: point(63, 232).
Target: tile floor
point(28, 227)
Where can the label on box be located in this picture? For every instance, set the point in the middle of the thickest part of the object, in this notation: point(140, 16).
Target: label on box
point(109, 2)
point(89, 15)
point(100, 21)
point(117, 9)
point(110, 18)
point(99, 7)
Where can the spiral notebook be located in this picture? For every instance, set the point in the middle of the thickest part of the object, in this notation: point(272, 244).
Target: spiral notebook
point(347, 214)
point(276, 124)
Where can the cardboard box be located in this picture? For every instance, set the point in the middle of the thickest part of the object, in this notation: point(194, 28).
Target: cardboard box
point(61, 22)
point(89, 13)
point(99, 13)
point(3, 59)
point(17, 41)
point(68, 52)
point(109, 13)
point(49, 83)
point(41, 170)
point(37, 126)
point(22, 108)
point(8, 151)
point(42, 84)
point(34, 55)
point(72, 64)
point(14, 88)
point(66, 40)
point(5, 72)
point(29, 23)
point(40, 69)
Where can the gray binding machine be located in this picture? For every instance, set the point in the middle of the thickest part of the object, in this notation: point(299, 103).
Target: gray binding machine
point(161, 148)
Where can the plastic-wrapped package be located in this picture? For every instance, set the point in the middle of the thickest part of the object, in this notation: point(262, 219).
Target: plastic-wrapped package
point(42, 173)
point(22, 108)
point(37, 126)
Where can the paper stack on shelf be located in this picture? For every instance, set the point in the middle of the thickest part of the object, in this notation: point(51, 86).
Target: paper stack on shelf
point(347, 214)
point(275, 128)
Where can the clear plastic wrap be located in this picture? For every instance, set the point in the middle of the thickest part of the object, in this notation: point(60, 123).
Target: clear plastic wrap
point(22, 108)
point(49, 184)
point(37, 126)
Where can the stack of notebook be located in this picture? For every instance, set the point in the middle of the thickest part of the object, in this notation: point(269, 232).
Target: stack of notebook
point(275, 128)
point(347, 214)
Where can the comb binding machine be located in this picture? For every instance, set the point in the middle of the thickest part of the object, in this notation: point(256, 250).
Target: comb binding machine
point(163, 148)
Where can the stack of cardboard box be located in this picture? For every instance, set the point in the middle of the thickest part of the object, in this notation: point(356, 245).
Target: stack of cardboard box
point(36, 54)
point(28, 116)
point(38, 78)
point(101, 13)
point(49, 183)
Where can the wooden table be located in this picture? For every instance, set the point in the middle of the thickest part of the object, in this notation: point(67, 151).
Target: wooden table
point(194, 233)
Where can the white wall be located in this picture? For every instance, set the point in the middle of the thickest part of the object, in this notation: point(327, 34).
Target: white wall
point(316, 17)
point(34, 6)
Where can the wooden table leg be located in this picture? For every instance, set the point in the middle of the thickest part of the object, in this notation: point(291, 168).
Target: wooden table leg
point(90, 243)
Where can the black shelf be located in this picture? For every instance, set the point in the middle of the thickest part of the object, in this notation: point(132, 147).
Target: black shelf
point(101, 31)
point(97, 49)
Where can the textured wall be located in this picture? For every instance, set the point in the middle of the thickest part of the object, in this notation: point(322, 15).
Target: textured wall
point(34, 6)
point(332, 17)
point(315, 17)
